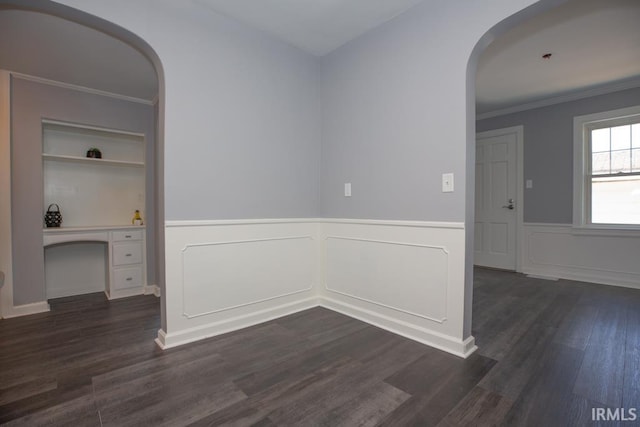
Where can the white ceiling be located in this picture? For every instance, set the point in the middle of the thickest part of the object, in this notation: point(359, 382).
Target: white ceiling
point(316, 26)
point(594, 44)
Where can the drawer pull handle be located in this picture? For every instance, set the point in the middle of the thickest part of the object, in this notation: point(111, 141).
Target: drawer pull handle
point(128, 255)
point(127, 236)
point(129, 279)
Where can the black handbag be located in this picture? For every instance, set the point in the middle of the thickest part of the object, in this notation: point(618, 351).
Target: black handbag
point(53, 218)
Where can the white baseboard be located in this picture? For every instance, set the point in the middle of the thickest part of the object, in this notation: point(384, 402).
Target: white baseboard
point(422, 335)
point(68, 292)
point(168, 340)
point(124, 293)
point(26, 309)
point(555, 251)
point(152, 290)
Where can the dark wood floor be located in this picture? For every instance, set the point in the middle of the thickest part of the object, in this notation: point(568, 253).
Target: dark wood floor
point(549, 352)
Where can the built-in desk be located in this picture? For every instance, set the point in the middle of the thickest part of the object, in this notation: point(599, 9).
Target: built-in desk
point(126, 254)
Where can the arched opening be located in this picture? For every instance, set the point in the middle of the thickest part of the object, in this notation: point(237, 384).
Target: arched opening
point(114, 43)
point(470, 216)
point(555, 264)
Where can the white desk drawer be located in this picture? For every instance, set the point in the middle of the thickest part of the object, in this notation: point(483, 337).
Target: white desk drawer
point(124, 278)
point(127, 253)
point(123, 236)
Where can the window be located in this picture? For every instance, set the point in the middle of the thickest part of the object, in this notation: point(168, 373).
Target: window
point(607, 169)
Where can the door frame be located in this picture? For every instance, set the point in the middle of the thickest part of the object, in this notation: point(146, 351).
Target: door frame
point(519, 133)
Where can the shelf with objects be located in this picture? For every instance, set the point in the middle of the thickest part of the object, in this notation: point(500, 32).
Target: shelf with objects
point(95, 177)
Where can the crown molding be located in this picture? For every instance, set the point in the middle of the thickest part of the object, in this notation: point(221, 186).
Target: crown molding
point(574, 96)
point(79, 88)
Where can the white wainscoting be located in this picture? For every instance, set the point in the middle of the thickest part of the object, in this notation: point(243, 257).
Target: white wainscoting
point(226, 275)
point(406, 277)
point(403, 276)
point(559, 251)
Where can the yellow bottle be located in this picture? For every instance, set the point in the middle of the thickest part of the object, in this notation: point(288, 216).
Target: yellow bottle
point(137, 219)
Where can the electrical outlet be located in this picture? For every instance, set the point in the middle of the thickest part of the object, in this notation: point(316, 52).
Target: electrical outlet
point(347, 189)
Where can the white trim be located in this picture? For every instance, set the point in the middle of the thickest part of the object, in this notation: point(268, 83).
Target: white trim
point(152, 290)
point(557, 251)
point(396, 223)
point(601, 90)
point(580, 165)
point(399, 223)
point(225, 222)
point(124, 293)
point(247, 303)
point(27, 309)
point(168, 340)
point(519, 132)
point(78, 88)
point(111, 131)
point(441, 328)
point(6, 262)
point(461, 348)
point(367, 300)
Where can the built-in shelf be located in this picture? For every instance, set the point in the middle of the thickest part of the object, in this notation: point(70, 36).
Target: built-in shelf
point(89, 160)
point(93, 191)
point(54, 230)
point(95, 196)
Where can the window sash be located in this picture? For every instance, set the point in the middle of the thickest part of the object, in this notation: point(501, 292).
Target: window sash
point(589, 176)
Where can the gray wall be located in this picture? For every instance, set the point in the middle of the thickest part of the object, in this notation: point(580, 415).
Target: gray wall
point(242, 131)
point(548, 151)
point(394, 114)
point(242, 136)
point(30, 103)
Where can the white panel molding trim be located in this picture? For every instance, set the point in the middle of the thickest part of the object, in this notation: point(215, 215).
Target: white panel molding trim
point(406, 277)
point(207, 264)
point(431, 267)
point(227, 275)
point(561, 252)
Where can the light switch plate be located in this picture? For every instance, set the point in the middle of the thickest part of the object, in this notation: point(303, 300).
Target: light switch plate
point(528, 183)
point(347, 189)
point(447, 183)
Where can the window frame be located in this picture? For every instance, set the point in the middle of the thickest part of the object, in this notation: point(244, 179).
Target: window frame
point(582, 125)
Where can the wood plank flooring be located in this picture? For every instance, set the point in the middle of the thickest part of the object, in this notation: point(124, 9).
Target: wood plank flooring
point(549, 353)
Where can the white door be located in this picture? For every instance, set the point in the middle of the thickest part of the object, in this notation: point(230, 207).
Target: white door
point(496, 198)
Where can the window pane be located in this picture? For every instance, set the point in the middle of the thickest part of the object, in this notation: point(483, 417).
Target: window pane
point(635, 131)
point(615, 200)
point(635, 158)
point(600, 140)
point(600, 163)
point(621, 161)
point(621, 137)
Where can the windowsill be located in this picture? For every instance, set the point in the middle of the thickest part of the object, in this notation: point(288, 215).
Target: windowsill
point(606, 230)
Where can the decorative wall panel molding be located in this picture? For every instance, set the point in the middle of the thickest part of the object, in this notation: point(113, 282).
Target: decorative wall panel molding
point(406, 277)
point(559, 251)
point(223, 276)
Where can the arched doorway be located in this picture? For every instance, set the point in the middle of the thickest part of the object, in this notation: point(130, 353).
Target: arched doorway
point(137, 50)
